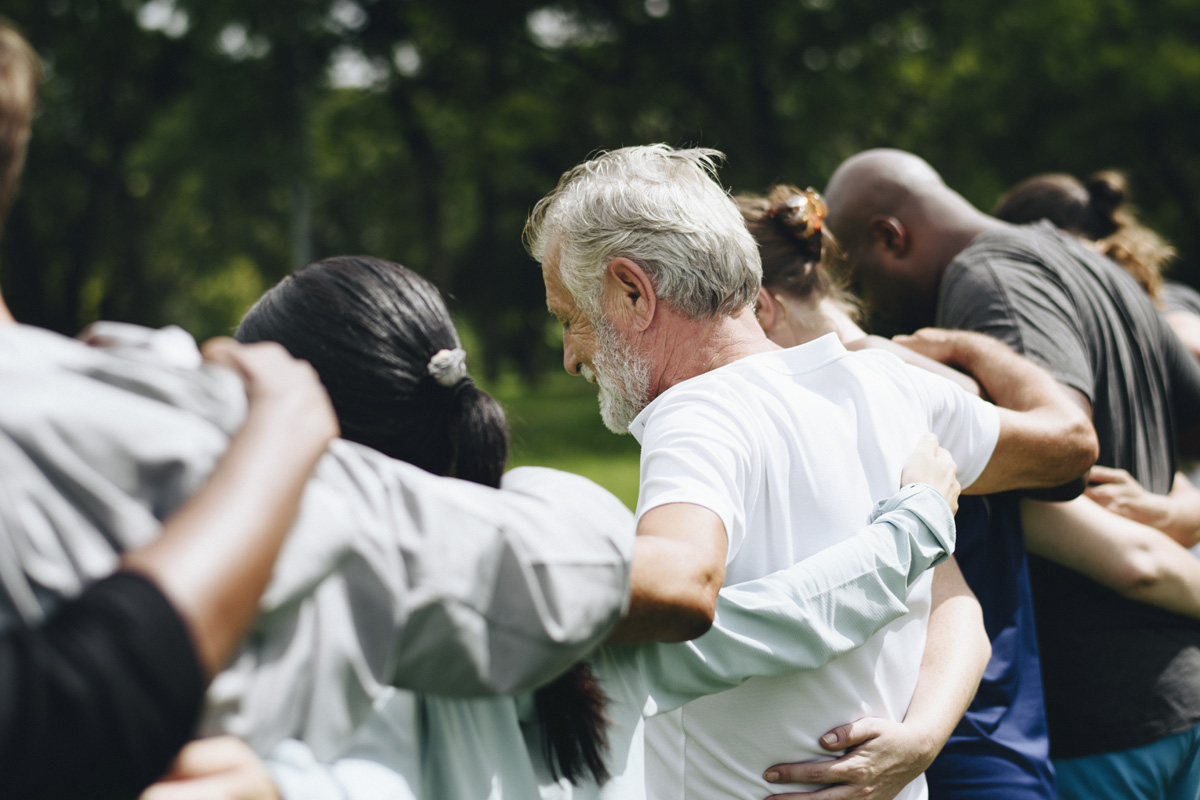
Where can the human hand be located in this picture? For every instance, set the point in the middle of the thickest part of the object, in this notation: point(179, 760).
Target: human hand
point(220, 768)
point(933, 465)
point(1176, 514)
point(884, 757)
point(940, 344)
point(281, 390)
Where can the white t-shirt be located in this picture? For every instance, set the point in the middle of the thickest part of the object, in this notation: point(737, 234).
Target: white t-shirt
point(791, 449)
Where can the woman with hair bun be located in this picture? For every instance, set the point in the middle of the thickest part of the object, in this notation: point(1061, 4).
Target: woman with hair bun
point(801, 296)
point(383, 342)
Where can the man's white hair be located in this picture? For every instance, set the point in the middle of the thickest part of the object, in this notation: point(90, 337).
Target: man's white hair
point(661, 208)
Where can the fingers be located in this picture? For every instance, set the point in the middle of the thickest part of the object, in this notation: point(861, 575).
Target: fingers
point(828, 793)
point(1101, 474)
point(276, 382)
point(206, 756)
point(220, 767)
point(927, 443)
point(255, 363)
point(852, 734)
point(934, 466)
point(930, 342)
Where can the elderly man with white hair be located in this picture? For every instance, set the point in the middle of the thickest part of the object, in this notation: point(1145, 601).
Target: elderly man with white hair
point(754, 458)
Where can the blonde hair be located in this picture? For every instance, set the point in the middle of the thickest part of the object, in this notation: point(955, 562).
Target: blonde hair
point(19, 74)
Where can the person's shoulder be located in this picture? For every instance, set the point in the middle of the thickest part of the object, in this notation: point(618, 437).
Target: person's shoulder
point(1180, 297)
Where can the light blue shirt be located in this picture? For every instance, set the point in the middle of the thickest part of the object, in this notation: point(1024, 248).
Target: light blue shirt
point(424, 746)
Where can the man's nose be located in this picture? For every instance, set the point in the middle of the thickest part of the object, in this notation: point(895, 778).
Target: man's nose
point(570, 363)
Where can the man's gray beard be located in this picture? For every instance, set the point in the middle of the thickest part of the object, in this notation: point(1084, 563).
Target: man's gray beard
point(622, 375)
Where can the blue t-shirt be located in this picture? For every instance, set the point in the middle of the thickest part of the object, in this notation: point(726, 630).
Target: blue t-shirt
point(1000, 748)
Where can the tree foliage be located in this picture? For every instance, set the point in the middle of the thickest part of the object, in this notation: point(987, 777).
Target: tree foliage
point(189, 153)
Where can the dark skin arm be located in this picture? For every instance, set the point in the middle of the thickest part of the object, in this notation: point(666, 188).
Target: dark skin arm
point(1046, 435)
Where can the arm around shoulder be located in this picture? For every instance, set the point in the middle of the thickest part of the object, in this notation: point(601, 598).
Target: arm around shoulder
point(1046, 435)
point(678, 568)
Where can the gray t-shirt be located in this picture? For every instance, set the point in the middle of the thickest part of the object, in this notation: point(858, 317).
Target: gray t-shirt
point(1118, 674)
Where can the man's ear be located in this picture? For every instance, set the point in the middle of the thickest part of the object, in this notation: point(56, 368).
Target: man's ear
point(890, 234)
point(632, 292)
point(767, 310)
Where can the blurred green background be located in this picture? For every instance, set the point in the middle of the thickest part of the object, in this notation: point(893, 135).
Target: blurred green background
point(189, 153)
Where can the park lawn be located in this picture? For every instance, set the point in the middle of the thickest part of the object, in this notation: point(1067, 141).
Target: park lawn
point(557, 424)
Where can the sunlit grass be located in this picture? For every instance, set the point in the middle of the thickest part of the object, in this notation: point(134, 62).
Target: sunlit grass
point(557, 424)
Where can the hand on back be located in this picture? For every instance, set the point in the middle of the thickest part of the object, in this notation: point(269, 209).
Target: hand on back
point(282, 391)
point(932, 465)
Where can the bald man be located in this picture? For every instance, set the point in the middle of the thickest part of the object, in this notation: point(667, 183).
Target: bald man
point(1122, 679)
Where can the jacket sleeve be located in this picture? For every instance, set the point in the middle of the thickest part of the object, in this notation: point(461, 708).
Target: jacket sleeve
point(99, 698)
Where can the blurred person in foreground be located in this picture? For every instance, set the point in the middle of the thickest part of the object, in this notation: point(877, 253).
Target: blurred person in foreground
point(373, 329)
point(754, 458)
point(1001, 747)
point(102, 691)
point(1121, 678)
point(390, 576)
point(1099, 212)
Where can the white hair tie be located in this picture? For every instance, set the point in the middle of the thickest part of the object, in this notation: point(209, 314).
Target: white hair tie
point(448, 367)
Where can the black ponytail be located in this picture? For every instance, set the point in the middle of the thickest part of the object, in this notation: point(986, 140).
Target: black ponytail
point(482, 446)
point(574, 725)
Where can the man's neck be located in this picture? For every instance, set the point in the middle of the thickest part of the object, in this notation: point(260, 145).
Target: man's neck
point(959, 234)
point(686, 348)
point(6, 317)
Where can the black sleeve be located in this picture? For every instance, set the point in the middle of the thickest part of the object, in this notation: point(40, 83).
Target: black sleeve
point(97, 701)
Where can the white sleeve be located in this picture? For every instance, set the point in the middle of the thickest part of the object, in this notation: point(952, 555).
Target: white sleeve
point(385, 761)
point(803, 617)
point(967, 426)
point(695, 452)
point(393, 576)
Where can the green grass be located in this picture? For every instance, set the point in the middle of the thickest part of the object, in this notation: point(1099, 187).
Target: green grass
point(557, 424)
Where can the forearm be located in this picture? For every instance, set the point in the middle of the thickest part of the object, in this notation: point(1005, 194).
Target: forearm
point(814, 611)
point(1047, 439)
point(1183, 524)
point(956, 653)
point(216, 552)
point(1135, 560)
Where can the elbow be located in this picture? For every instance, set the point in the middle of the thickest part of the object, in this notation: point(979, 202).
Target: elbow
point(1084, 447)
point(693, 616)
point(1079, 448)
point(1137, 576)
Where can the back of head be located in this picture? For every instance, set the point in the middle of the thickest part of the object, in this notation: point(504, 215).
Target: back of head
point(1097, 210)
point(1061, 199)
point(18, 89)
point(798, 252)
point(383, 342)
point(880, 181)
point(661, 208)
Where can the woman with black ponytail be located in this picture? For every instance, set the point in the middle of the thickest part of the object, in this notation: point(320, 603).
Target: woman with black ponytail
point(383, 343)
